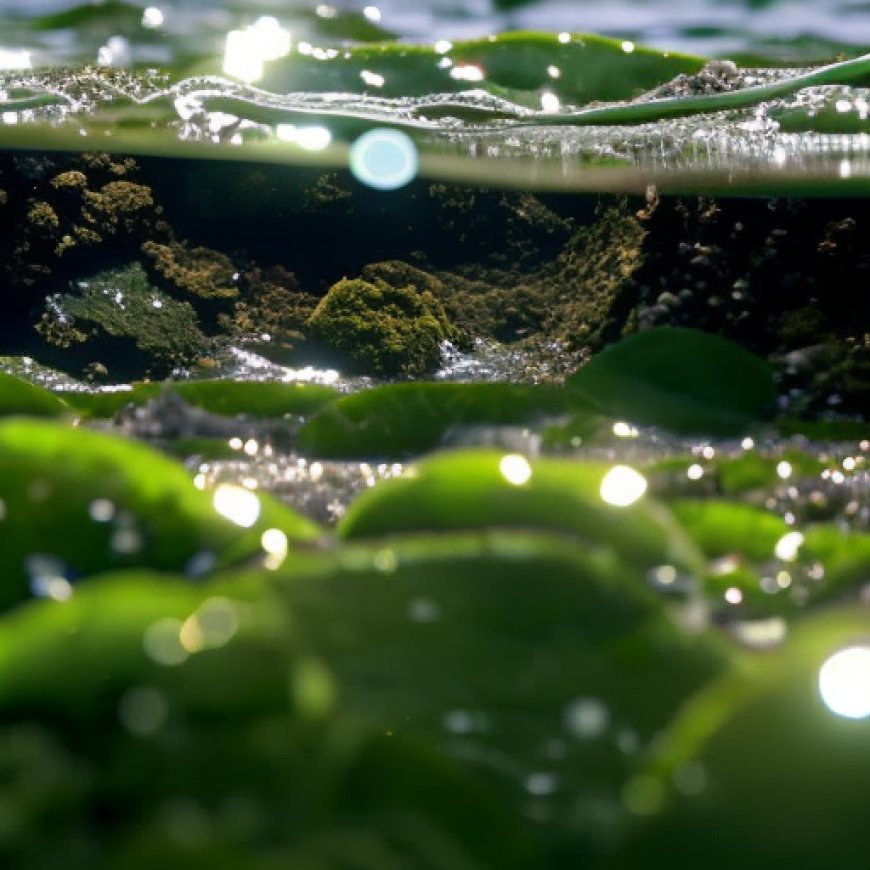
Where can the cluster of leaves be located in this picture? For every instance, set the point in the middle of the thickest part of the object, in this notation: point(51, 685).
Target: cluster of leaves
point(470, 670)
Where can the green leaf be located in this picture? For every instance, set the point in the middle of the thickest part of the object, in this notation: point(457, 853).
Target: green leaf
point(19, 397)
point(76, 502)
point(402, 419)
point(758, 771)
point(722, 528)
point(174, 706)
point(681, 379)
point(229, 398)
point(544, 665)
point(591, 67)
point(481, 490)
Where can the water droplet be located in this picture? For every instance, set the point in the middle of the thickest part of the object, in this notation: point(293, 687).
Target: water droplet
point(788, 545)
point(384, 159)
point(152, 18)
point(424, 610)
point(218, 622)
point(761, 633)
point(47, 577)
point(464, 722)
point(101, 510)
point(622, 486)
point(541, 784)
point(733, 595)
point(274, 542)
point(162, 642)
point(143, 711)
point(126, 541)
point(237, 504)
point(515, 469)
point(844, 682)
point(586, 718)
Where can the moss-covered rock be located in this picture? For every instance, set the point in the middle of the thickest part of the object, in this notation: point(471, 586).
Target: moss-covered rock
point(271, 312)
point(120, 320)
point(381, 330)
point(199, 272)
point(60, 208)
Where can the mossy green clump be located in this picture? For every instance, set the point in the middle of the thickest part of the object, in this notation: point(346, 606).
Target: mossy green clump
point(199, 272)
point(62, 208)
point(594, 271)
point(118, 318)
point(381, 330)
point(270, 313)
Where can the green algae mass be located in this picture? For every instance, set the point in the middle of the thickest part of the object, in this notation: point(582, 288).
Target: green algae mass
point(382, 330)
point(489, 645)
point(117, 315)
point(637, 379)
point(399, 420)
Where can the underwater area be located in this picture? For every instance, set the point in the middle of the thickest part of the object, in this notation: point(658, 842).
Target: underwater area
point(434, 436)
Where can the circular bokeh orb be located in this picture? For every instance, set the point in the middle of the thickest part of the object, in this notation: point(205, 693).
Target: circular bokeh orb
point(844, 682)
point(384, 159)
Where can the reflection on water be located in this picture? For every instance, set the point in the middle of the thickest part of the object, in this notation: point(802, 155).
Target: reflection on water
point(789, 28)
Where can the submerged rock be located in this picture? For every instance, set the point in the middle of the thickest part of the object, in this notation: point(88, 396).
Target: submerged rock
point(117, 319)
point(382, 330)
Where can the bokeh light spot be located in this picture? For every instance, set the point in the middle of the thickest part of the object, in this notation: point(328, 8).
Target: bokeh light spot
point(237, 504)
point(384, 159)
point(844, 683)
point(622, 486)
point(515, 469)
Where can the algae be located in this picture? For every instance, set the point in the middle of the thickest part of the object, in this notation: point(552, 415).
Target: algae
point(381, 330)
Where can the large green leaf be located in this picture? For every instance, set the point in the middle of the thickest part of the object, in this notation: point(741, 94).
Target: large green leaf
point(402, 419)
point(681, 379)
point(484, 489)
point(19, 397)
point(759, 771)
point(76, 502)
point(255, 398)
point(545, 665)
point(178, 711)
point(590, 67)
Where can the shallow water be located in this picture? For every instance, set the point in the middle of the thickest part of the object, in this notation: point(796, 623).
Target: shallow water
point(788, 29)
point(559, 111)
point(531, 595)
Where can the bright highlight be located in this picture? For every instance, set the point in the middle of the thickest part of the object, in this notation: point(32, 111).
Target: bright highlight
point(247, 50)
point(384, 159)
point(844, 683)
point(237, 504)
point(515, 469)
point(622, 486)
